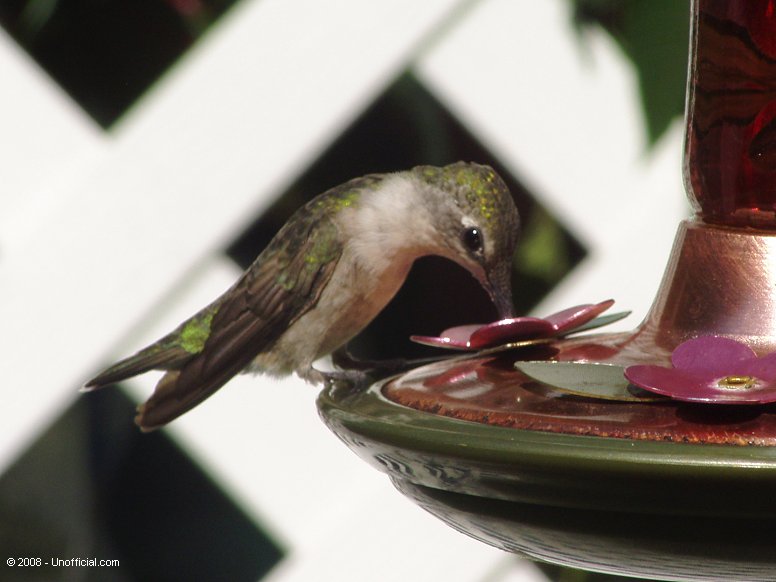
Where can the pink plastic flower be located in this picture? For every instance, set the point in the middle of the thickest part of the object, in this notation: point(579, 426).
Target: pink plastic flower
point(518, 329)
point(711, 369)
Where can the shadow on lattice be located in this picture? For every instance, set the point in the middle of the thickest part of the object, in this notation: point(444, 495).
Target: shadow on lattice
point(405, 127)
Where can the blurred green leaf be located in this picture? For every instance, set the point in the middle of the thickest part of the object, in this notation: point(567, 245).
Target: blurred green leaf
point(542, 252)
point(654, 35)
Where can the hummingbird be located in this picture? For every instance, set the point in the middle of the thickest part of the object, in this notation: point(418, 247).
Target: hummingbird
point(327, 273)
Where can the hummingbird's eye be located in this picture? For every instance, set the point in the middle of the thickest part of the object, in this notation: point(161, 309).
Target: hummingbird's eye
point(472, 238)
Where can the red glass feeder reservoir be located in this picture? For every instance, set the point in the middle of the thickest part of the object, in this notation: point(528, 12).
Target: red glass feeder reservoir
point(730, 149)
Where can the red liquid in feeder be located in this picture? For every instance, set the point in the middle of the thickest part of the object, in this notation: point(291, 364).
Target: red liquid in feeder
point(730, 147)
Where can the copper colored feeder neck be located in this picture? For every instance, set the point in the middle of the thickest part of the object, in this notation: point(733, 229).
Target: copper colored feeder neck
point(719, 281)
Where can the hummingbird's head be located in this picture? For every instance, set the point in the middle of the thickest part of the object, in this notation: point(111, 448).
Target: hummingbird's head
point(476, 223)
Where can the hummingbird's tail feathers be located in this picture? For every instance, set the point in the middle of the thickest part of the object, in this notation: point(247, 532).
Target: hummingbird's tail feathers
point(175, 394)
point(230, 349)
point(154, 357)
point(256, 311)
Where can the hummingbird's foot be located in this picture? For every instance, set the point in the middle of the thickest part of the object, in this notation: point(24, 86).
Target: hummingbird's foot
point(348, 381)
point(379, 369)
point(354, 374)
point(350, 378)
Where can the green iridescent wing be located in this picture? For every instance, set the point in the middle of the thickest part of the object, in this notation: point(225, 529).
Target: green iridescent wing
point(285, 283)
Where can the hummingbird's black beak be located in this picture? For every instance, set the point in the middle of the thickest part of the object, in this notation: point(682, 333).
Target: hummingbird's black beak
point(499, 287)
